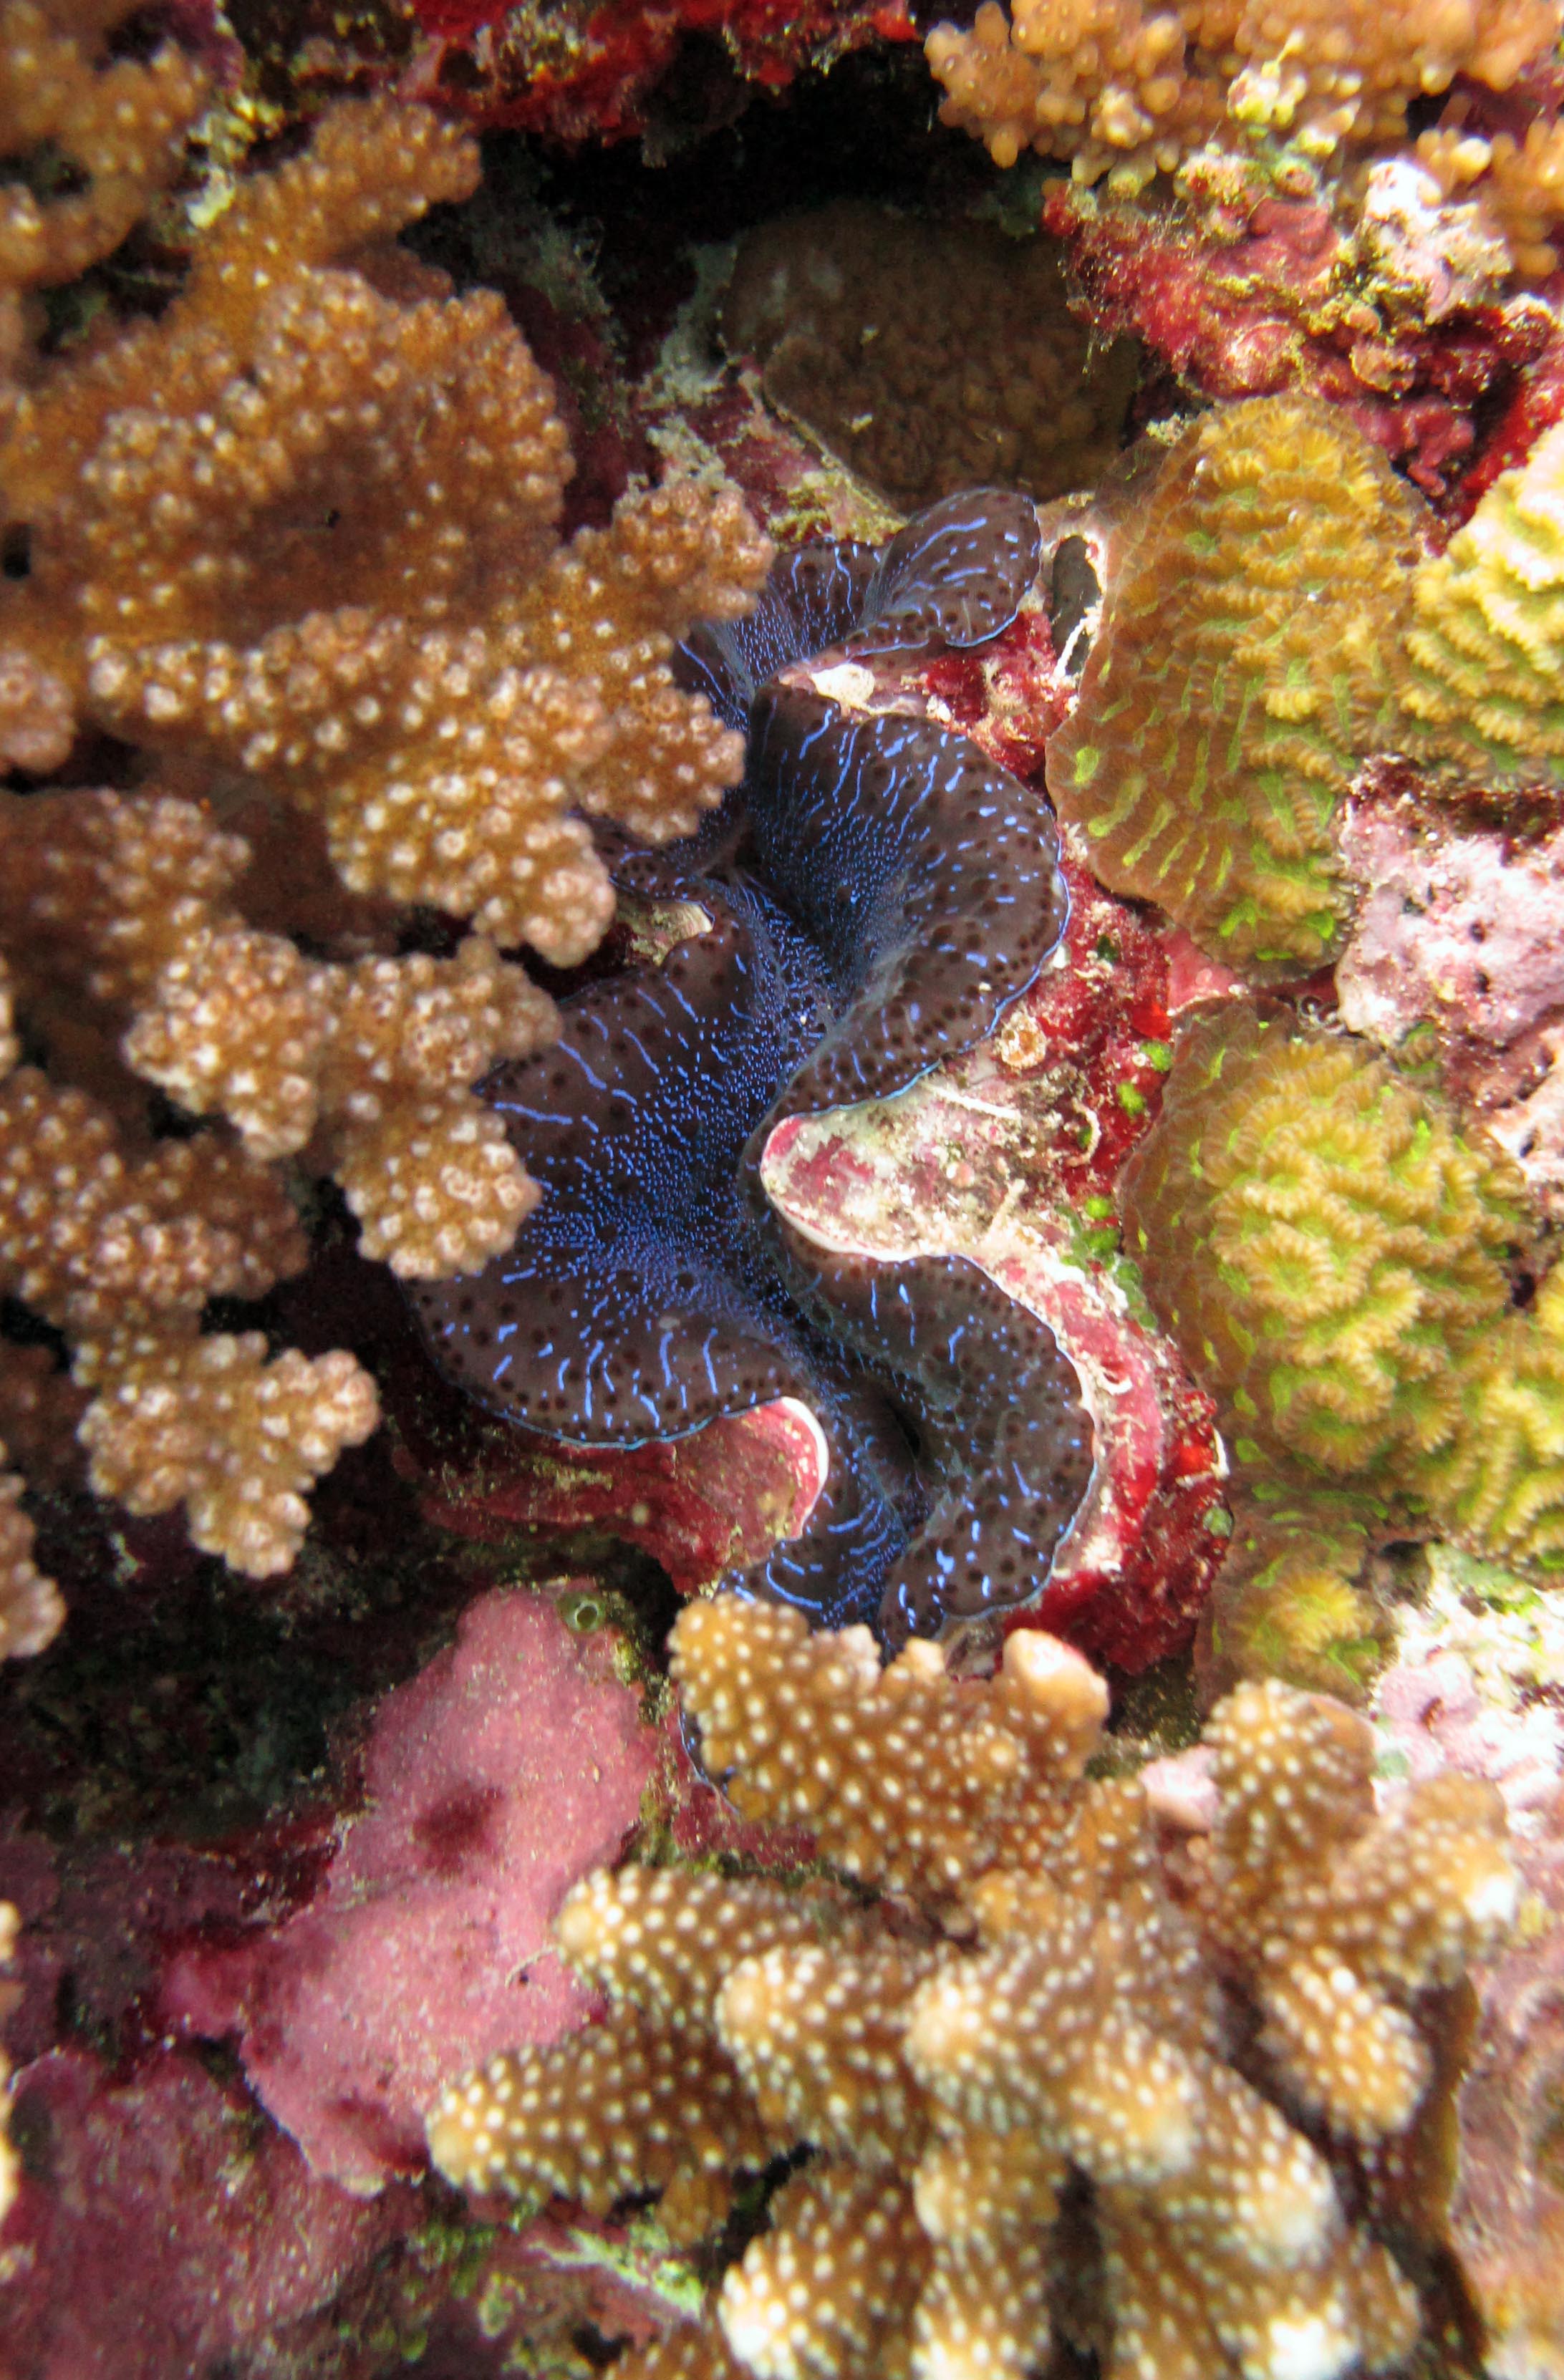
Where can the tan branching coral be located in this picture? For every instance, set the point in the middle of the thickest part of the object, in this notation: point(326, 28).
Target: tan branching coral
point(1249, 653)
point(1047, 2005)
point(1125, 90)
point(297, 541)
point(931, 356)
point(1335, 1916)
point(211, 1424)
point(10, 2164)
point(1487, 693)
point(309, 531)
point(30, 1609)
point(118, 126)
point(1518, 186)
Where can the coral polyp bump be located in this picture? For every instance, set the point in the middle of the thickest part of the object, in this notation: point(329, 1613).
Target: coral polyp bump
point(896, 890)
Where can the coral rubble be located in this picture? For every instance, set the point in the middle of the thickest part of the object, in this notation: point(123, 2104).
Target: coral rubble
point(1046, 2007)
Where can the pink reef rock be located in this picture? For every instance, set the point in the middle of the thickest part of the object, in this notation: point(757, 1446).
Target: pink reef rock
point(1461, 933)
point(162, 2228)
point(1250, 284)
point(700, 1506)
point(515, 1762)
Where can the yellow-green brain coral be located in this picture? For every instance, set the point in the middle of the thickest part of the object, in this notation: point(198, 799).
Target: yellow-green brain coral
point(1320, 1238)
point(1250, 653)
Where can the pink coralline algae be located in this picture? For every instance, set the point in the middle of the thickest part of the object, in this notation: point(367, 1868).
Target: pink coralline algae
point(701, 1506)
point(162, 2228)
point(1458, 957)
point(513, 1764)
point(1245, 291)
point(582, 72)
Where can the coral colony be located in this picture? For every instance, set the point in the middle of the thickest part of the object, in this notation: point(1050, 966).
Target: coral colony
point(781, 1144)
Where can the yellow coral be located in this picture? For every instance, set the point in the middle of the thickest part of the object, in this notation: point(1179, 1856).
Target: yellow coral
point(1248, 652)
point(931, 356)
point(1485, 696)
point(947, 2064)
point(1122, 90)
point(1287, 1601)
point(1319, 1237)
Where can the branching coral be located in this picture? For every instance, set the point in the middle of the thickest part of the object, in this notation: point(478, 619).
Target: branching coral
point(117, 128)
point(1486, 692)
point(1051, 2010)
point(932, 355)
point(1517, 184)
point(302, 530)
point(1121, 90)
point(1249, 651)
point(30, 1609)
point(307, 530)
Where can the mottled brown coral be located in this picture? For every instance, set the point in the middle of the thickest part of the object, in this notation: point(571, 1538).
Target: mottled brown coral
point(1122, 90)
point(931, 357)
point(1249, 653)
point(1050, 2006)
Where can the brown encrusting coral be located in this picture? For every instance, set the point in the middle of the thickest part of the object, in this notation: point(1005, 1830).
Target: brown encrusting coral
point(931, 356)
point(1037, 2000)
point(1125, 91)
point(1250, 653)
point(298, 536)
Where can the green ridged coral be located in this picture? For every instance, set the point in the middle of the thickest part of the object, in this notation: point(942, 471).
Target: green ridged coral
point(1287, 1602)
point(1328, 1248)
point(1251, 650)
point(1498, 1485)
point(1485, 696)
point(1318, 1236)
